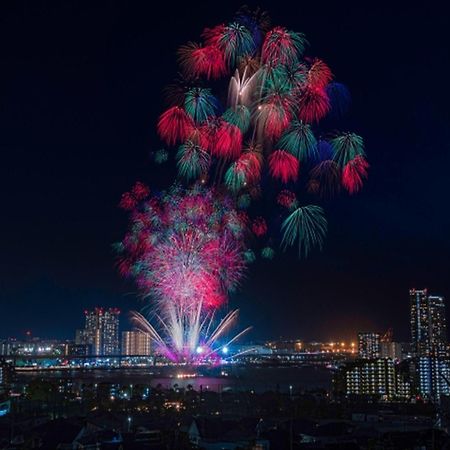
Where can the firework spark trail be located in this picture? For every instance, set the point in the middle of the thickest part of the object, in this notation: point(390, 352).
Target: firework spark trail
point(206, 339)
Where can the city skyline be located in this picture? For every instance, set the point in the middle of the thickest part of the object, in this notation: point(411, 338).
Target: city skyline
point(368, 342)
point(224, 225)
point(381, 243)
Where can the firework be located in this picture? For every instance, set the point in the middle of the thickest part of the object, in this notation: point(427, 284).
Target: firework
point(208, 337)
point(299, 140)
point(259, 227)
point(287, 199)
point(197, 61)
point(306, 225)
point(277, 97)
point(192, 160)
point(185, 250)
point(282, 46)
point(268, 253)
point(325, 179)
point(174, 125)
point(339, 97)
point(353, 174)
point(283, 165)
point(347, 147)
point(161, 156)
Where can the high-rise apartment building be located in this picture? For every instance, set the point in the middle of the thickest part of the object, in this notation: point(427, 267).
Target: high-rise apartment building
point(372, 377)
point(429, 342)
point(6, 375)
point(101, 331)
point(433, 377)
point(136, 343)
point(428, 324)
point(391, 350)
point(368, 345)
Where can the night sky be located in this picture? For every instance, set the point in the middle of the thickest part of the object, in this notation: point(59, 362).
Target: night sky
point(80, 92)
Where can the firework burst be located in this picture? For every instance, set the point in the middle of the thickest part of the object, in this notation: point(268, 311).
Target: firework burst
point(276, 100)
point(185, 247)
point(185, 250)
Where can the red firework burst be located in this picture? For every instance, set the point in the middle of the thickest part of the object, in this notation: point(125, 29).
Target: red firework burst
point(286, 198)
point(174, 125)
point(318, 75)
point(313, 104)
point(353, 174)
point(227, 141)
point(197, 61)
point(283, 165)
point(127, 202)
point(140, 191)
point(253, 166)
point(259, 227)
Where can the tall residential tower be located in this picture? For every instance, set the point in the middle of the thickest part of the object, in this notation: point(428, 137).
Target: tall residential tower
point(101, 331)
point(428, 325)
point(369, 345)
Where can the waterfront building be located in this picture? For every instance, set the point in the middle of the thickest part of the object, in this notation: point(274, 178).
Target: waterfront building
point(6, 375)
point(74, 349)
point(32, 347)
point(286, 346)
point(7, 347)
point(101, 331)
point(136, 343)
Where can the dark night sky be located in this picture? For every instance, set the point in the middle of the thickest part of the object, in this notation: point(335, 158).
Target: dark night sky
point(80, 92)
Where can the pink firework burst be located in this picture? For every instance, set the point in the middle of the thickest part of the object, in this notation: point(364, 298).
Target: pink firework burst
point(185, 250)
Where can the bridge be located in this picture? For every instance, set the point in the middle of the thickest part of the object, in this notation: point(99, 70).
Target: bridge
point(73, 362)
